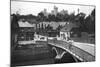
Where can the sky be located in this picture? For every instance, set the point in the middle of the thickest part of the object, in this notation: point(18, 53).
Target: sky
point(34, 8)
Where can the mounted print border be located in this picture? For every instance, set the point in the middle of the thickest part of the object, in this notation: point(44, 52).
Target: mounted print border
point(51, 33)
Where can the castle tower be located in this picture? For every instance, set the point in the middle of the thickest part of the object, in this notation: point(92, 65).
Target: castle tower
point(45, 12)
point(78, 10)
point(55, 10)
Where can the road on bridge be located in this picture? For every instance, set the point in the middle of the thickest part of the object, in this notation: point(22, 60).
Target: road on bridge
point(82, 51)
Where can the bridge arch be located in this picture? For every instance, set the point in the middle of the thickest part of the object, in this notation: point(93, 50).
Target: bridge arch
point(55, 49)
point(59, 53)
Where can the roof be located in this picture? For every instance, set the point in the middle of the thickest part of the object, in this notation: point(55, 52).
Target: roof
point(25, 24)
point(75, 29)
point(68, 27)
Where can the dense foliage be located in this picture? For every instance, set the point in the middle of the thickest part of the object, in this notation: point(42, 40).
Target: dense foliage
point(87, 24)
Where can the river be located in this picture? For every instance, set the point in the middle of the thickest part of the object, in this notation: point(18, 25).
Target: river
point(38, 56)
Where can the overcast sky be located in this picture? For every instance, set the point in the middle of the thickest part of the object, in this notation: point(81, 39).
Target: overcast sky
point(34, 8)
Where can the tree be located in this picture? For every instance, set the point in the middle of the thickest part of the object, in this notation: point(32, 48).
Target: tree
point(42, 17)
point(59, 17)
point(71, 17)
point(59, 27)
point(42, 26)
point(90, 22)
point(39, 27)
point(14, 23)
point(49, 28)
point(80, 19)
point(66, 17)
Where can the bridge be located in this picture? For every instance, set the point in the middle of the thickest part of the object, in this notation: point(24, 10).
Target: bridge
point(83, 51)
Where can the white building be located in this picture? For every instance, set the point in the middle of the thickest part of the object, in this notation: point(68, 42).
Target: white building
point(65, 31)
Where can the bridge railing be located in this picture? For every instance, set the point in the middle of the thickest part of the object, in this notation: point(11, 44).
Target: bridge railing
point(83, 54)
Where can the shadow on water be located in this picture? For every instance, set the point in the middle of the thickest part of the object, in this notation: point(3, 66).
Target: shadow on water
point(47, 57)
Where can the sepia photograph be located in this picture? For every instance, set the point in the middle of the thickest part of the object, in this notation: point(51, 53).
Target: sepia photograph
point(51, 33)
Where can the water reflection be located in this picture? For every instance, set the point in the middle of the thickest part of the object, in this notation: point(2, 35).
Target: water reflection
point(32, 55)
